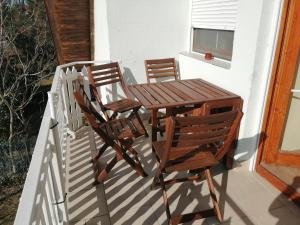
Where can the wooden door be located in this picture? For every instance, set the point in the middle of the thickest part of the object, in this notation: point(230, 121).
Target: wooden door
point(282, 144)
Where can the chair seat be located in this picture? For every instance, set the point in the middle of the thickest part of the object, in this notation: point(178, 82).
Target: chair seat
point(123, 129)
point(187, 159)
point(122, 105)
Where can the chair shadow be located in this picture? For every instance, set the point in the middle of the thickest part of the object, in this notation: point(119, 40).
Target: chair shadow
point(290, 190)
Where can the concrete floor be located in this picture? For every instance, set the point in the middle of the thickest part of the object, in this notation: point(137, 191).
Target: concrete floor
point(125, 198)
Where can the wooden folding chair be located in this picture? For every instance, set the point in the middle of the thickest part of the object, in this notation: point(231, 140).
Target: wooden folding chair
point(110, 73)
point(160, 68)
point(117, 133)
point(194, 143)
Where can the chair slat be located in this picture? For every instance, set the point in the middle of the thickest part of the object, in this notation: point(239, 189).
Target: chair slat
point(200, 142)
point(198, 120)
point(160, 61)
point(203, 128)
point(160, 66)
point(166, 71)
point(161, 75)
point(107, 82)
point(200, 135)
point(105, 66)
point(104, 73)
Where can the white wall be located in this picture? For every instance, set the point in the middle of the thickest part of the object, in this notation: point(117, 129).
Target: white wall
point(101, 34)
point(144, 29)
point(249, 70)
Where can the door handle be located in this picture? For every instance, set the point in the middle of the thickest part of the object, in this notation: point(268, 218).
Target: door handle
point(295, 90)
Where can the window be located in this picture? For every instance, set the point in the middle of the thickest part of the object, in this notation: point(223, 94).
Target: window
point(213, 25)
point(217, 42)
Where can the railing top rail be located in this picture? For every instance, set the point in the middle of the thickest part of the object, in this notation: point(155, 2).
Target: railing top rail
point(82, 63)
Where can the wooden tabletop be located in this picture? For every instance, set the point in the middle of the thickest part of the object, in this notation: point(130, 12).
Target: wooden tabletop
point(178, 93)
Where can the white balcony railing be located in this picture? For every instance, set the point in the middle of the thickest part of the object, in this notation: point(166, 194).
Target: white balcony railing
point(44, 194)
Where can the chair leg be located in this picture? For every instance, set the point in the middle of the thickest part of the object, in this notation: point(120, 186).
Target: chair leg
point(141, 122)
point(99, 153)
point(135, 155)
point(134, 165)
point(165, 197)
point(160, 132)
point(156, 180)
point(103, 174)
point(213, 195)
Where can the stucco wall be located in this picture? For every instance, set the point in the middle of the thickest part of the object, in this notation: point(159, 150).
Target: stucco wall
point(249, 70)
point(143, 29)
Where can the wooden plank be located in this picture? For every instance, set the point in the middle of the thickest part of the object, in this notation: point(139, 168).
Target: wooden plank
point(173, 89)
point(139, 95)
point(105, 77)
point(215, 87)
point(146, 94)
point(105, 66)
point(107, 82)
point(169, 92)
point(159, 66)
point(154, 94)
point(194, 143)
point(206, 89)
point(188, 91)
point(162, 71)
point(106, 72)
point(161, 75)
point(198, 89)
point(160, 61)
point(199, 135)
point(162, 93)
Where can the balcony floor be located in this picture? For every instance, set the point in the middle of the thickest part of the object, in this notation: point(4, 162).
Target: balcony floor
point(125, 198)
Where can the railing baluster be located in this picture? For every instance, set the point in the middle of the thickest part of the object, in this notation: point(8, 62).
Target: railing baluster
point(45, 182)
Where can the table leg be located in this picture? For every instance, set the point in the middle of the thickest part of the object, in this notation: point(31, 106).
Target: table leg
point(154, 125)
point(229, 158)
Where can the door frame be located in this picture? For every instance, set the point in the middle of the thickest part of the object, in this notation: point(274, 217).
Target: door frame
point(290, 192)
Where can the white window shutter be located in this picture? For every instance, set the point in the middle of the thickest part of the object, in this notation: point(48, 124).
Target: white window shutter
point(214, 14)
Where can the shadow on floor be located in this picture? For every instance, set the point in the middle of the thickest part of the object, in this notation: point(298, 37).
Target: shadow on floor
point(125, 198)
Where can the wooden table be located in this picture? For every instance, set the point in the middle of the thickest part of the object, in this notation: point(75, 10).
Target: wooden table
point(167, 95)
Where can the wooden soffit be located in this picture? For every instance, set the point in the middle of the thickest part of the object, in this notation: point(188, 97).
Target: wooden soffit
point(71, 29)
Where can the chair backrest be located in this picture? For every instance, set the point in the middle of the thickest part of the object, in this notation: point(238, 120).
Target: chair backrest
point(213, 132)
point(105, 74)
point(84, 101)
point(98, 126)
point(160, 68)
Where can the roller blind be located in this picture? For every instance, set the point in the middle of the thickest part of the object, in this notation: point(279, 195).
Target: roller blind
point(214, 14)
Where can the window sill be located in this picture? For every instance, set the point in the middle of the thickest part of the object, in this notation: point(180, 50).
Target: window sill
point(215, 61)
